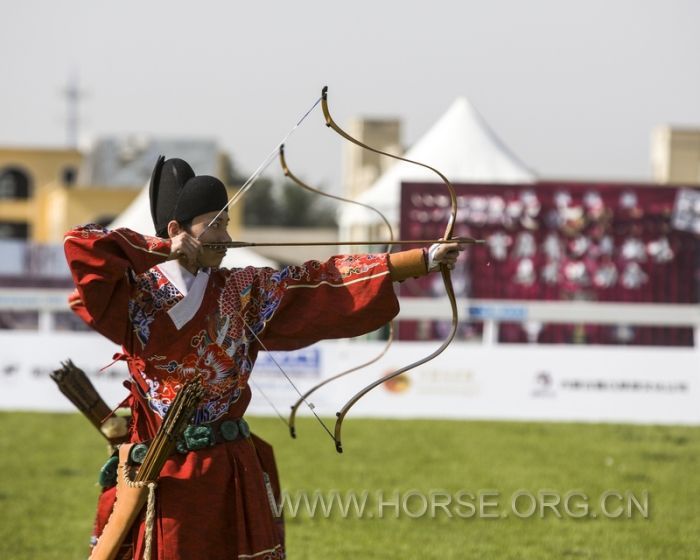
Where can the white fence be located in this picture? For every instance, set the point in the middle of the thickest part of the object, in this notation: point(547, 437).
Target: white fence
point(469, 380)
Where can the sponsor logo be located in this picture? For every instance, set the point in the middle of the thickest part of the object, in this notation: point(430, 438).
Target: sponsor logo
point(305, 362)
point(544, 385)
point(399, 384)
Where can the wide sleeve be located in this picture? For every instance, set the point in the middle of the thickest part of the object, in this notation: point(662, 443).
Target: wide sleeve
point(102, 263)
point(346, 296)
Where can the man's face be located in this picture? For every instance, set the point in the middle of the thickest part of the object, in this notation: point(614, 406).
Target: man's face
point(216, 233)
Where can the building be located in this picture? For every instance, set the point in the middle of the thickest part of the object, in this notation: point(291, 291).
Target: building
point(361, 167)
point(45, 192)
point(27, 175)
point(675, 155)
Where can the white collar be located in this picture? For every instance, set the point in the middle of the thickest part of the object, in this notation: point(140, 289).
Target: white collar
point(191, 286)
point(178, 275)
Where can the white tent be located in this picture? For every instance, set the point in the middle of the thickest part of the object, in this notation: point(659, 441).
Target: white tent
point(461, 145)
point(137, 217)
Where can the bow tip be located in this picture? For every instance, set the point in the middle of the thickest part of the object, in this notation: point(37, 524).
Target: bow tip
point(338, 447)
point(293, 432)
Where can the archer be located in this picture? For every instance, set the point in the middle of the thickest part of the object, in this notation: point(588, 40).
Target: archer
point(177, 314)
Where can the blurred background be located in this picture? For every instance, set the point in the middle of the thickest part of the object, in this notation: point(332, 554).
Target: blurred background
point(571, 131)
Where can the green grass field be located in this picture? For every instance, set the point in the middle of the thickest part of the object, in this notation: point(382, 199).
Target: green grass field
point(49, 463)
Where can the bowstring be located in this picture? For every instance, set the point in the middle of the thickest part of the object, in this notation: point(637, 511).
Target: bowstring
point(269, 401)
point(231, 202)
point(260, 169)
point(289, 379)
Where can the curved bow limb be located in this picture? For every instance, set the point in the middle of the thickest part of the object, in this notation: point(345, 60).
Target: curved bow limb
point(334, 126)
point(340, 416)
point(443, 269)
point(291, 422)
point(299, 182)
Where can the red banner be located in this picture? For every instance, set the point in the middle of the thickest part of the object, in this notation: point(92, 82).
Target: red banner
point(563, 241)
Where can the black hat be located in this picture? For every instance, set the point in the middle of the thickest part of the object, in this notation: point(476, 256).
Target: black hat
point(176, 194)
point(200, 195)
point(167, 181)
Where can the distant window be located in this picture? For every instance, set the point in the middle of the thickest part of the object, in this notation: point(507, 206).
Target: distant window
point(69, 175)
point(68, 321)
point(14, 230)
point(14, 184)
point(19, 320)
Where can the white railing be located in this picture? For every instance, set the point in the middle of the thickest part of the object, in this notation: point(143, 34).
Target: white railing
point(491, 312)
point(44, 301)
point(568, 382)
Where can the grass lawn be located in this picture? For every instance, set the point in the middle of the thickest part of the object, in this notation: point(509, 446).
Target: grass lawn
point(49, 465)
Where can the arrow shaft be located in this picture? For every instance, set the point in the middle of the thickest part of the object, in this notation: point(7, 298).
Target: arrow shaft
point(239, 244)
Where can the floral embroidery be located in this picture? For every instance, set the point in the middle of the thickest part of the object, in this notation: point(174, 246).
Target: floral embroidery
point(221, 378)
point(224, 351)
point(153, 293)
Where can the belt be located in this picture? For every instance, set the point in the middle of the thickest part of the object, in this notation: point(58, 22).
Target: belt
point(200, 436)
point(193, 438)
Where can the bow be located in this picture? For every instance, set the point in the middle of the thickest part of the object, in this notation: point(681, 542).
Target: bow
point(233, 200)
point(336, 435)
point(292, 415)
point(447, 280)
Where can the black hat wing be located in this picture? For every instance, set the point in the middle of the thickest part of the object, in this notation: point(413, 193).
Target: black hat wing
point(167, 181)
point(153, 189)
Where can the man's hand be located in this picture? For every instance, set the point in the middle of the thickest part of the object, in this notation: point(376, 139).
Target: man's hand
point(185, 248)
point(443, 253)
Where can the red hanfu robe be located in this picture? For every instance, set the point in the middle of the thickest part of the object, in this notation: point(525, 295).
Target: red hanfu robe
point(213, 503)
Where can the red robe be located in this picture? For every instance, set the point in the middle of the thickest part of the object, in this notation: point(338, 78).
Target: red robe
point(213, 503)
